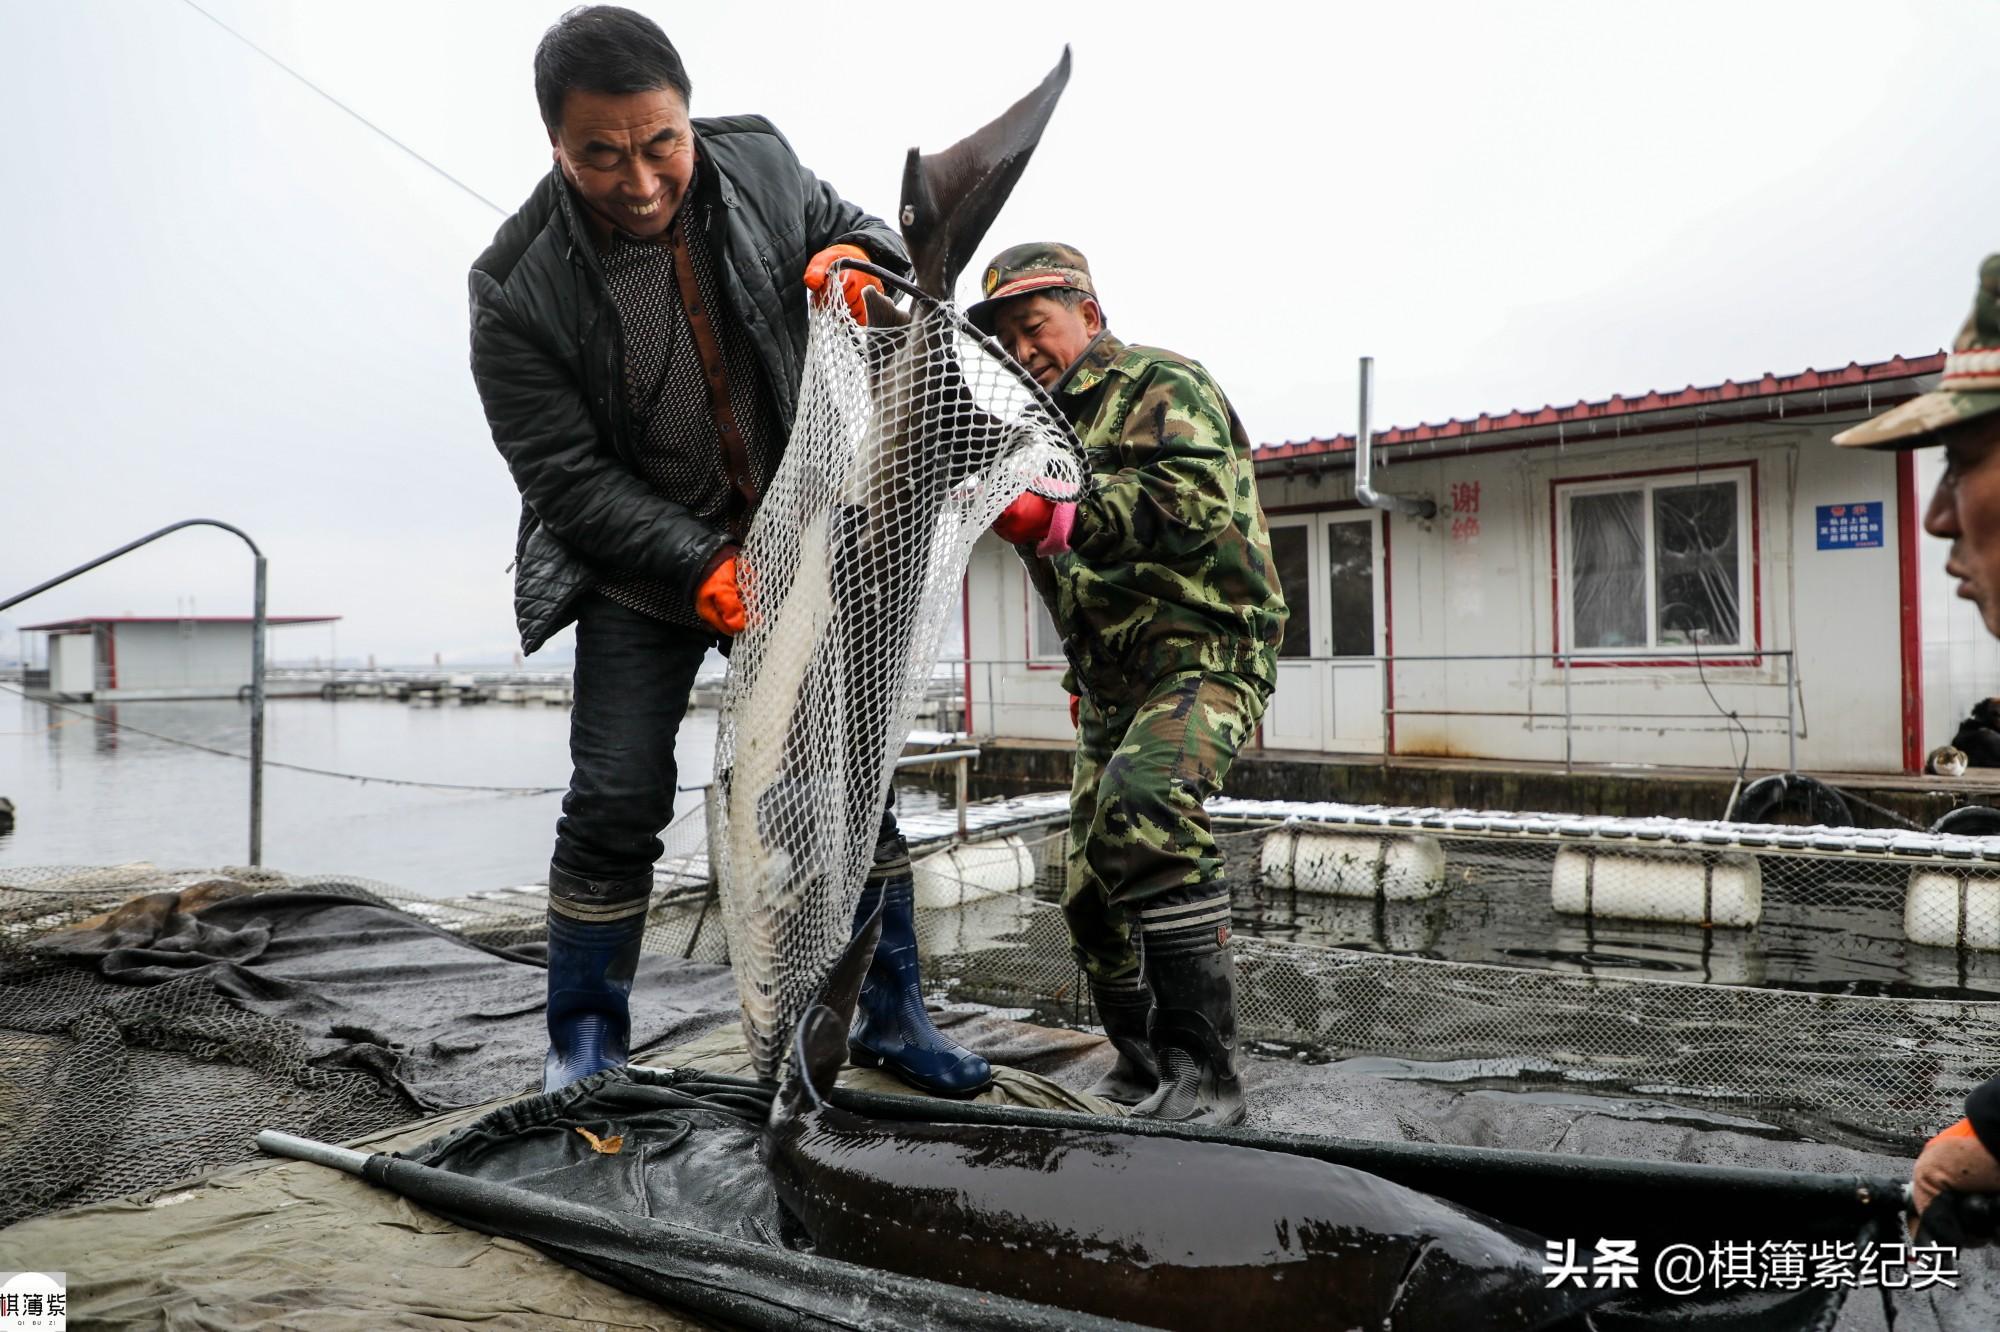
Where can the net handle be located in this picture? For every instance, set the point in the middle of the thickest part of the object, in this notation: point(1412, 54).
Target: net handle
point(898, 282)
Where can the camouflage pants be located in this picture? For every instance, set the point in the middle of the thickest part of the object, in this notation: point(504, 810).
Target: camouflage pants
point(1140, 851)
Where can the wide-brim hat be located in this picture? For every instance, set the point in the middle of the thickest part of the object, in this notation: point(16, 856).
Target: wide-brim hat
point(1969, 389)
point(1025, 269)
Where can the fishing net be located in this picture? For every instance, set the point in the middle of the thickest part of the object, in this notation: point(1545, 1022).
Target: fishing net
point(110, 1087)
point(1843, 983)
point(909, 441)
point(107, 1088)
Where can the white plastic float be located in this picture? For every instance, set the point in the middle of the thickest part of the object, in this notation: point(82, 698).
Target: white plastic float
point(1353, 864)
point(973, 871)
point(1951, 910)
point(1690, 889)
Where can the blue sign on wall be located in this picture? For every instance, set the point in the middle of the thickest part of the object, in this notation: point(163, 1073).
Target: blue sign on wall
point(1850, 526)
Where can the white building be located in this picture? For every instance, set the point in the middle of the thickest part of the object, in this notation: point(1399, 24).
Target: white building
point(150, 657)
point(1602, 583)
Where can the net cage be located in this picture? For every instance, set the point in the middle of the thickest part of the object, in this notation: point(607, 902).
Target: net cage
point(912, 435)
point(1842, 983)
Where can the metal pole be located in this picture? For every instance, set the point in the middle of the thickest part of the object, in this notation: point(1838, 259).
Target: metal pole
point(962, 781)
point(934, 756)
point(1791, 713)
point(307, 1149)
point(1569, 756)
point(1388, 665)
point(1364, 461)
point(258, 626)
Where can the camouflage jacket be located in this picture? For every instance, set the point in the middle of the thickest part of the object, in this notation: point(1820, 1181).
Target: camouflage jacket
point(1169, 567)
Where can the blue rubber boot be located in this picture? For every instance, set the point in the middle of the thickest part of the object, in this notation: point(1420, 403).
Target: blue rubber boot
point(891, 1028)
point(594, 933)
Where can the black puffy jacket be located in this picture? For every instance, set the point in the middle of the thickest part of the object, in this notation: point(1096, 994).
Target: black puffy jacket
point(548, 358)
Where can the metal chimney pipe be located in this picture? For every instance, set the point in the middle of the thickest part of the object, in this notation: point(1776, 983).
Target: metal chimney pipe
point(1364, 461)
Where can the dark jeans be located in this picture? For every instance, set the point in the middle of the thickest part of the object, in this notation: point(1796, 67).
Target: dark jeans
point(633, 676)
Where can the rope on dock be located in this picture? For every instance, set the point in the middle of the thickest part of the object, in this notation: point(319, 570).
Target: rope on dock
point(44, 730)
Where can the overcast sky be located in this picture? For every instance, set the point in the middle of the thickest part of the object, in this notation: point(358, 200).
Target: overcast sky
point(222, 297)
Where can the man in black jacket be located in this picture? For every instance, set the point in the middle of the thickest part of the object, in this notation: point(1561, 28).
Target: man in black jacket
point(638, 337)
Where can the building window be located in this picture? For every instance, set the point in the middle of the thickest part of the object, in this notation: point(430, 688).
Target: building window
point(1350, 583)
point(1044, 643)
point(1291, 552)
point(1658, 562)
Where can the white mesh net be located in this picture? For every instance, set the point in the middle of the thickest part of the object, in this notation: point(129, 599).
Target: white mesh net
point(908, 443)
point(1832, 981)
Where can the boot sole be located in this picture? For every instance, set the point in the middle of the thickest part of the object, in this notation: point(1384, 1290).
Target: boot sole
point(1230, 1120)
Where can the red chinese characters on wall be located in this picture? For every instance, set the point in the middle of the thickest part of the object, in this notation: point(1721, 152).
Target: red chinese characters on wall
point(1464, 510)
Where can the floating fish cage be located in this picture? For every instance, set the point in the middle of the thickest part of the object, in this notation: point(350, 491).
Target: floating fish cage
point(1843, 982)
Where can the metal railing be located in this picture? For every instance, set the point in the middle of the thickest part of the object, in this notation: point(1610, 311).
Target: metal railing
point(1696, 667)
point(961, 776)
point(259, 626)
point(960, 759)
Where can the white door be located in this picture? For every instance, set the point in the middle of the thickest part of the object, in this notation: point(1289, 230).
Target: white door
point(1329, 694)
point(1292, 721)
point(1351, 592)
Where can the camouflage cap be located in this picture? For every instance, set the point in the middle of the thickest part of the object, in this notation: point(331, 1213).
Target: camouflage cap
point(1970, 388)
point(1036, 266)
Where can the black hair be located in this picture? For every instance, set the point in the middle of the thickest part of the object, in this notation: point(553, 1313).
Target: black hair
point(604, 49)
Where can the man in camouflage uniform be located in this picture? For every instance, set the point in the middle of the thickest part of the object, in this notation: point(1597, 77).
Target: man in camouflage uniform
point(1161, 582)
point(1963, 415)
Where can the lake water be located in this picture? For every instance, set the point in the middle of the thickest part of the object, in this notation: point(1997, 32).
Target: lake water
point(89, 790)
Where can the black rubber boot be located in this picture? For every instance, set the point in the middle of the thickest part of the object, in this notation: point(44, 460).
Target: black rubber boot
point(1193, 1030)
point(1124, 1007)
point(594, 933)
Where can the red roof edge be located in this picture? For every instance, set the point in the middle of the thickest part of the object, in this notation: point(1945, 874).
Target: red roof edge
point(1768, 386)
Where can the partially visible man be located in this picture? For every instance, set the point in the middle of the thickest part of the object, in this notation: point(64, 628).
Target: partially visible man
point(1162, 585)
point(638, 333)
point(1963, 415)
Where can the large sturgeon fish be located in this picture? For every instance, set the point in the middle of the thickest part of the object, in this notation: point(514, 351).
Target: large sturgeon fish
point(1164, 1232)
point(895, 466)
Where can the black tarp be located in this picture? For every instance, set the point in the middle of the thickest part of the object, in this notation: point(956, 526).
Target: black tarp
point(682, 1210)
point(447, 1020)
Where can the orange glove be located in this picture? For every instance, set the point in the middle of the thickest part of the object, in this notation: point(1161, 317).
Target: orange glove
point(852, 282)
point(1074, 703)
point(1954, 1159)
point(718, 600)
